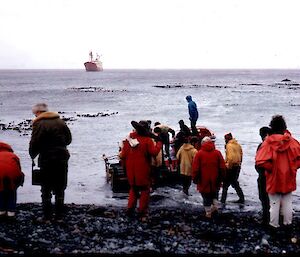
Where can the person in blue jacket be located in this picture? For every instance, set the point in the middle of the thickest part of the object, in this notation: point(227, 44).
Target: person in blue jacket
point(193, 112)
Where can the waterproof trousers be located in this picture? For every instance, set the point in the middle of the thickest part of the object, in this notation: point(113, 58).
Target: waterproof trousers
point(280, 204)
point(8, 200)
point(54, 182)
point(142, 192)
point(231, 179)
point(186, 183)
point(210, 202)
point(264, 198)
point(193, 127)
point(47, 204)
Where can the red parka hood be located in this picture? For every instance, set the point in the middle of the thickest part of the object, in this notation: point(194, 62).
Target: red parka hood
point(280, 142)
point(5, 147)
point(208, 146)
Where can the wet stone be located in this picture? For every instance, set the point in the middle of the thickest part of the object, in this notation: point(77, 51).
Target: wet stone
point(106, 230)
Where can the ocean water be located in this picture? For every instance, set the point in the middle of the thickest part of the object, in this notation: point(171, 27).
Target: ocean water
point(236, 101)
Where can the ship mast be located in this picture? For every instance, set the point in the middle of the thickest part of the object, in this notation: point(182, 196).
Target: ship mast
point(91, 56)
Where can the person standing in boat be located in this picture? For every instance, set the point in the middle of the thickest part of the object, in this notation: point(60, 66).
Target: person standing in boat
point(181, 135)
point(163, 131)
point(193, 113)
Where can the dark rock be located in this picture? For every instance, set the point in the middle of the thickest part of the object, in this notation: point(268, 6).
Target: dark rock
point(106, 230)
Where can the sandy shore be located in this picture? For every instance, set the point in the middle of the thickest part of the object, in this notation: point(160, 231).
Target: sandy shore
point(90, 229)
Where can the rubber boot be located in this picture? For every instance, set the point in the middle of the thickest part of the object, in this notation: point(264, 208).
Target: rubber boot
point(207, 211)
point(59, 210)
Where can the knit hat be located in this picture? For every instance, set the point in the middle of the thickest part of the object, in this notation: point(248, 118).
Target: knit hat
point(40, 107)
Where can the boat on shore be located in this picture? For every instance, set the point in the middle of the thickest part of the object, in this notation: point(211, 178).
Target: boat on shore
point(93, 64)
point(167, 174)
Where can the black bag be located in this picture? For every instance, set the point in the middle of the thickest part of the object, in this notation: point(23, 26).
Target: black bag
point(36, 175)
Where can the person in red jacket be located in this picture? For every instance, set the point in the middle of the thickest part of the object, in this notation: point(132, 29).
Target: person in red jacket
point(208, 168)
point(136, 156)
point(279, 155)
point(11, 177)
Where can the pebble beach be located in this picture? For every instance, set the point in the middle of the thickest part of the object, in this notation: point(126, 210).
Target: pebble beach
point(102, 230)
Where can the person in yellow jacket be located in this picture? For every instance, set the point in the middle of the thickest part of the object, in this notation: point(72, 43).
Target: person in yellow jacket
point(233, 161)
point(185, 156)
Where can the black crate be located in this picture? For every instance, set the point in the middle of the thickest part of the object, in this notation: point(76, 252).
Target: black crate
point(119, 181)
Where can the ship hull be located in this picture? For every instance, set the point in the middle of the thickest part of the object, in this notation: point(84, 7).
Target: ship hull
point(93, 66)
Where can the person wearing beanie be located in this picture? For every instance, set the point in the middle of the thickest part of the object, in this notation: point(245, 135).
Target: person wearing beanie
point(207, 171)
point(279, 156)
point(233, 160)
point(49, 139)
point(193, 113)
point(11, 177)
point(183, 133)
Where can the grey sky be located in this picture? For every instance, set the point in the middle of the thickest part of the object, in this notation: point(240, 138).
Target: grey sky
point(150, 33)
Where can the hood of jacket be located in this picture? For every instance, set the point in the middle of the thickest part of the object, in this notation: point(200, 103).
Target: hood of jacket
point(279, 142)
point(233, 141)
point(208, 146)
point(189, 98)
point(5, 147)
point(187, 147)
point(46, 115)
point(132, 139)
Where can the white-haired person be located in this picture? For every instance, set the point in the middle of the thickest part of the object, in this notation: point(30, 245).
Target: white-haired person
point(49, 140)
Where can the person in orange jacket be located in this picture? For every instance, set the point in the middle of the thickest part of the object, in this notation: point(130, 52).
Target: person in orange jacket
point(136, 152)
point(207, 171)
point(279, 155)
point(11, 177)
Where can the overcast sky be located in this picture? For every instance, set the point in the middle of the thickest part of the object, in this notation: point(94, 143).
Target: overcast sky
point(150, 33)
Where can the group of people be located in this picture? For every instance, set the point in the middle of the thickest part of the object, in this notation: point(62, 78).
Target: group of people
point(277, 160)
point(198, 160)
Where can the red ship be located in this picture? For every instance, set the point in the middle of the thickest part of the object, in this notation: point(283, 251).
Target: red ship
point(93, 64)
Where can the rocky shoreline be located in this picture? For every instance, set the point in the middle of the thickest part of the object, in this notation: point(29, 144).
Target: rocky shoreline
point(91, 229)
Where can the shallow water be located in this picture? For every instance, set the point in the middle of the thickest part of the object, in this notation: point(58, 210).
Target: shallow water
point(237, 101)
